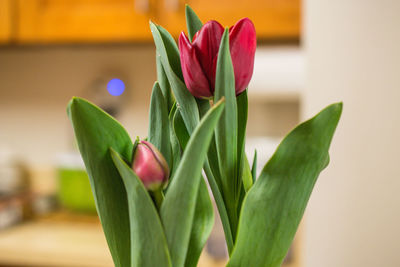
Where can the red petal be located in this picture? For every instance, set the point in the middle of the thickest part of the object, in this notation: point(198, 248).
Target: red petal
point(242, 42)
point(206, 43)
point(195, 79)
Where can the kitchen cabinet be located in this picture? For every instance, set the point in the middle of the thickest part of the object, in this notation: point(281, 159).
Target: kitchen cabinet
point(5, 21)
point(273, 19)
point(69, 21)
point(81, 21)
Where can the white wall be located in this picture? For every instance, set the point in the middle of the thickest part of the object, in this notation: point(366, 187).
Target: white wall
point(353, 54)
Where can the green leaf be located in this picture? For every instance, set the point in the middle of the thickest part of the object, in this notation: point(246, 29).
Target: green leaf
point(193, 22)
point(204, 213)
point(203, 223)
point(159, 124)
point(149, 246)
point(246, 175)
point(244, 181)
point(242, 110)
point(180, 130)
point(226, 134)
point(175, 147)
point(177, 210)
point(172, 50)
point(164, 84)
point(219, 201)
point(203, 105)
point(254, 167)
point(169, 55)
point(274, 206)
point(96, 132)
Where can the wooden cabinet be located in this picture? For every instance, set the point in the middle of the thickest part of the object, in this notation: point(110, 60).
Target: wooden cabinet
point(273, 19)
point(5, 21)
point(83, 20)
point(97, 21)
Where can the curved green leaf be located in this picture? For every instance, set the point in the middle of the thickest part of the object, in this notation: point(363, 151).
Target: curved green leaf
point(193, 22)
point(164, 83)
point(246, 175)
point(274, 206)
point(203, 223)
point(159, 124)
point(96, 132)
point(149, 246)
point(169, 55)
point(177, 210)
point(254, 167)
point(242, 110)
point(204, 214)
point(175, 147)
point(226, 133)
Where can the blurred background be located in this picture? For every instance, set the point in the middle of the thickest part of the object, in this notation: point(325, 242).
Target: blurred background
point(310, 53)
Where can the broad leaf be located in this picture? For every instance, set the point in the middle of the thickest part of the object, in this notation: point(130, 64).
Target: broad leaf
point(226, 134)
point(177, 210)
point(169, 55)
point(159, 124)
point(274, 206)
point(96, 132)
point(149, 246)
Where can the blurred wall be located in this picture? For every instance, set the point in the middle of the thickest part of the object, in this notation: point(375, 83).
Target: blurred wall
point(353, 55)
point(36, 84)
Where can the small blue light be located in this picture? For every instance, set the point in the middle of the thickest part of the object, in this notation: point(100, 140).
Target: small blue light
point(116, 87)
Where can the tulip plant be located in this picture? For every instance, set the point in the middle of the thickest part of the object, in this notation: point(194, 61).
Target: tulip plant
point(152, 200)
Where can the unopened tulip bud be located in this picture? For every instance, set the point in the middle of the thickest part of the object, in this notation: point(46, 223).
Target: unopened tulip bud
point(150, 166)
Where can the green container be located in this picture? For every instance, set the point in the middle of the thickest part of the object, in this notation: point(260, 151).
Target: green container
point(75, 193)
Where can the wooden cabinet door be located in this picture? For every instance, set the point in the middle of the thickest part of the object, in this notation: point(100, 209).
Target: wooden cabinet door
point(273, 19)
point(71, 21)
point(5, 21)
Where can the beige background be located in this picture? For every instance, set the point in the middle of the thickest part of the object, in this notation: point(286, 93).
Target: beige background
point(353, 55)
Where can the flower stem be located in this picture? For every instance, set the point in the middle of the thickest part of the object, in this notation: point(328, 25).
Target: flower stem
point(158, 197)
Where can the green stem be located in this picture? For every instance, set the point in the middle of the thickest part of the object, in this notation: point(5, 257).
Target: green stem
point(158, 197)
point(221, 206)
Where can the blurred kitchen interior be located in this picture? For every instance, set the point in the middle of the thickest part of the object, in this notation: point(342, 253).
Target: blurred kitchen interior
point(311, 53)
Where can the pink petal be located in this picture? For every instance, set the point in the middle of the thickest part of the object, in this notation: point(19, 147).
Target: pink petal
point(147, 167)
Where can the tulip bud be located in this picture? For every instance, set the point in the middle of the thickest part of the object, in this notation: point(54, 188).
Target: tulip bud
point(150, 166)
point(199, 58)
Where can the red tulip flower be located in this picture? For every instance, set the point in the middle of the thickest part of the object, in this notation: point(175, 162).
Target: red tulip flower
point(199, 58)
point(150, 166)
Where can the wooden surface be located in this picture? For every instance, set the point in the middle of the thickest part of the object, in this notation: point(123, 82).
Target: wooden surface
point(5, 21)
point(65, 240)
point(54, 244)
